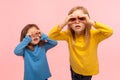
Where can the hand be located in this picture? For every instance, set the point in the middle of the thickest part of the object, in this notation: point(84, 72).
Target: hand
point(44, 36)
point(67, 21)
point(36, 33)
point(89, 21)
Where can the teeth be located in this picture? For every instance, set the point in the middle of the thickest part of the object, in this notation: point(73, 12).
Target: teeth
point(35, 39)
point(77, 26)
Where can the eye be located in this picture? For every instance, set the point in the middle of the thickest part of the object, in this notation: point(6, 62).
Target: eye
point(38, 33)
point(72, 19)
point(82, 18)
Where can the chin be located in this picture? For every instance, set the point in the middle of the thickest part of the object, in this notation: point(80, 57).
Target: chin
point(78, 30)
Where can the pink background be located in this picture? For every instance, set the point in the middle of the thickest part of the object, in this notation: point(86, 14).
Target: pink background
point(15, 14)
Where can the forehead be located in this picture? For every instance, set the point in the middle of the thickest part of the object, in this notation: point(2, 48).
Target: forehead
point(78, 12)
point(32, 29)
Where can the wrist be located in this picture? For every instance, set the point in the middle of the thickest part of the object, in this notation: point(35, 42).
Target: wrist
point(92, 22)
point(62, 25)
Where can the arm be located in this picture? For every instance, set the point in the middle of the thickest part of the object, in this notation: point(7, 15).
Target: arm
point(19, 50)
point(48, 42)
point(57, 34)
point(102, 31)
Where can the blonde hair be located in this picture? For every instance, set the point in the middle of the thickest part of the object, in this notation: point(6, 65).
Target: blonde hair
point(87, 29)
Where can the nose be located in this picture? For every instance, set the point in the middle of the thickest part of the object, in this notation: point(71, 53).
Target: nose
point(77, 21)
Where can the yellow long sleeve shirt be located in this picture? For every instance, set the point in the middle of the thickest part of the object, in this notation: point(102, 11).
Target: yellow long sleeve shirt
point(83, 60)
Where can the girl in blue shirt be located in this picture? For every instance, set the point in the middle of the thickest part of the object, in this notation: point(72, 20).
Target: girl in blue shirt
point(33, 47)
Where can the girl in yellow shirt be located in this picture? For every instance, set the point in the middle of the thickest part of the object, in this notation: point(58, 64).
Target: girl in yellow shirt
point(82, 41)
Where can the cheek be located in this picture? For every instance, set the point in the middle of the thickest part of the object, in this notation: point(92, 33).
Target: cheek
point(83, 27)
point(84, 22)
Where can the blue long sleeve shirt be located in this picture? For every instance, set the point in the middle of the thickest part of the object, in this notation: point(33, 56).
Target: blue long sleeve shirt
point(35, 62)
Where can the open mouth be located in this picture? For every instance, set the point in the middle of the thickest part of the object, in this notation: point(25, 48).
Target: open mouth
point(77, 26)
point(35, 39)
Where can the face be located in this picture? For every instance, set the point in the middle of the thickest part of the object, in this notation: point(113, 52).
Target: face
point(34, 34)
point(78, 21)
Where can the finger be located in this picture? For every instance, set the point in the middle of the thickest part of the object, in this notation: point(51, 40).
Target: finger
point(39, 32)
point(32, 35)
point(29, 34)
point(86, 16)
